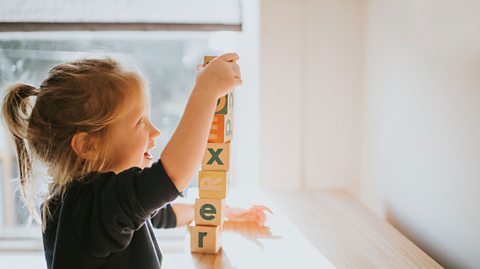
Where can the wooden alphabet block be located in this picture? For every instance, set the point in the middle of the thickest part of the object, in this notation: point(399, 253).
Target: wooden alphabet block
point(222, 129)
point(212, 184)
point(205, 239)
point(209, 212)
point(216, 157)
point(208, 59)
point(225, 104)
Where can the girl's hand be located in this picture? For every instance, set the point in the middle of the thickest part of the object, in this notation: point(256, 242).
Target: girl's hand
point(255, 213)
point(220, 76)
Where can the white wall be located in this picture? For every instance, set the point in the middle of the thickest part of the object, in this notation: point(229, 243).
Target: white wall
point(381, 98)
point(333, 82)
point(311, 62)
point(245, 168)
point(422, 123)
point(281, 112)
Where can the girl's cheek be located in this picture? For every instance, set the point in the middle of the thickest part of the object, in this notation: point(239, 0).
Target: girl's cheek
point(143, 132)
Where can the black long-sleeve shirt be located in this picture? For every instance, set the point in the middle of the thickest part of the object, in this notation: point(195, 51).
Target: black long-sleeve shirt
point(107, 220)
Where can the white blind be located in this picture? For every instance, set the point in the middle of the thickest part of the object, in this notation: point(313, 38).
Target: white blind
point(153, 12)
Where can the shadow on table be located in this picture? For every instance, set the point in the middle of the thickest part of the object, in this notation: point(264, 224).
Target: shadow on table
point(248, 231)
point(212, 261)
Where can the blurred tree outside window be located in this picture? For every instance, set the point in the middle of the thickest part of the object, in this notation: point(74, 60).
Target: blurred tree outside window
point(166, 59)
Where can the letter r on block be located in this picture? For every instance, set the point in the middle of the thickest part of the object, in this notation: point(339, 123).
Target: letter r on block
point(201, 235)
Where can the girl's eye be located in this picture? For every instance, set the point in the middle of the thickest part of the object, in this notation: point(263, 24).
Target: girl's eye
point(140, 121)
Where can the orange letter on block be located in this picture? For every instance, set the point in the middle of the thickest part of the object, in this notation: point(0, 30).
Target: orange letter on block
point(222, 129)
point(217, 130)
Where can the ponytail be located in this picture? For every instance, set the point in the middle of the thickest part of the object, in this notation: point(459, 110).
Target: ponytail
point(80, 96)
point(16, 109)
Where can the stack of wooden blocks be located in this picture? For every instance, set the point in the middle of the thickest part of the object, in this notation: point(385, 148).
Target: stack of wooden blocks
point(213, 179)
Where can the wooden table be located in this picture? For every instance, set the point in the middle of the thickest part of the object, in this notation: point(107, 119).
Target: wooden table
point(348, 233)
point(307, 230)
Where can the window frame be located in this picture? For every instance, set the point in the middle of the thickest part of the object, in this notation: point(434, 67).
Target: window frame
point(249, 31)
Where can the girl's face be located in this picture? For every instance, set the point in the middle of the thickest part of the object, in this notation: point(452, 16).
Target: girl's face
point(131, 136)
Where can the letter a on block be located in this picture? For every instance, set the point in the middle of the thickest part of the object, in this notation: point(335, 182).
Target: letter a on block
point(216, 157)
point(228, 127)
point(209, 212)
point(205, 239)
point(212, 184)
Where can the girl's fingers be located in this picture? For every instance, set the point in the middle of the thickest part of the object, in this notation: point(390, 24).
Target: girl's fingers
point(238, 82)
point(240, 214)
point(237, 74)
point(263, 208)
point(229, 57)
point(255, 213)
point(261, 220)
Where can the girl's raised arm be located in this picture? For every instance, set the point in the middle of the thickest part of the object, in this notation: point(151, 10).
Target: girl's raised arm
point(185, 149)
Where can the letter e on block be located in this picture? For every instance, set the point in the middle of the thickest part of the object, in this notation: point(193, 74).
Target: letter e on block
point(209, 212)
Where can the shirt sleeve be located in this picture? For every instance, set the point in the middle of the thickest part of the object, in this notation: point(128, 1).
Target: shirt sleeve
point(110, 207)
point(165, 218)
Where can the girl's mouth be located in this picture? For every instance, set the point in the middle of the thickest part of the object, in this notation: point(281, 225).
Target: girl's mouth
point(148, 155)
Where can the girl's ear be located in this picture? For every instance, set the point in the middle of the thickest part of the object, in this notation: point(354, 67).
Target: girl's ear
point(85, 146)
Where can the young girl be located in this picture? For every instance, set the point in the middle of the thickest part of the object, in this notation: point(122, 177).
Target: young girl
point(90, 126)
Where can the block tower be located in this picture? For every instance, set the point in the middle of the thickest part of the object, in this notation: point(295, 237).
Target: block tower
point(213, 179)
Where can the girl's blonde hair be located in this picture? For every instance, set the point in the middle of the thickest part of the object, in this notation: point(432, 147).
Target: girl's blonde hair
point(80, 96)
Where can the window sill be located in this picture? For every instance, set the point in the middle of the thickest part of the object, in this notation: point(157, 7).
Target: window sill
point(348, 233)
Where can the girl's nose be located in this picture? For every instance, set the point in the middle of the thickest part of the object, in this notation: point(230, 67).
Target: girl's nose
point(155, 132)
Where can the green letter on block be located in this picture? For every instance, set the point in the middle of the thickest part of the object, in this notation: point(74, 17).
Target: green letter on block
point(207, 209)
point(201, 235)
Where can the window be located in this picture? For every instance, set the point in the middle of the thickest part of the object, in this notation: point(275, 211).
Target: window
point(167, 59)
point(120, 14)
point(167, 47)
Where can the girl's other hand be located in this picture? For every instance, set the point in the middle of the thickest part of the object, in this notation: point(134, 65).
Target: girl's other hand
point(220, 76)
point(255, 213)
